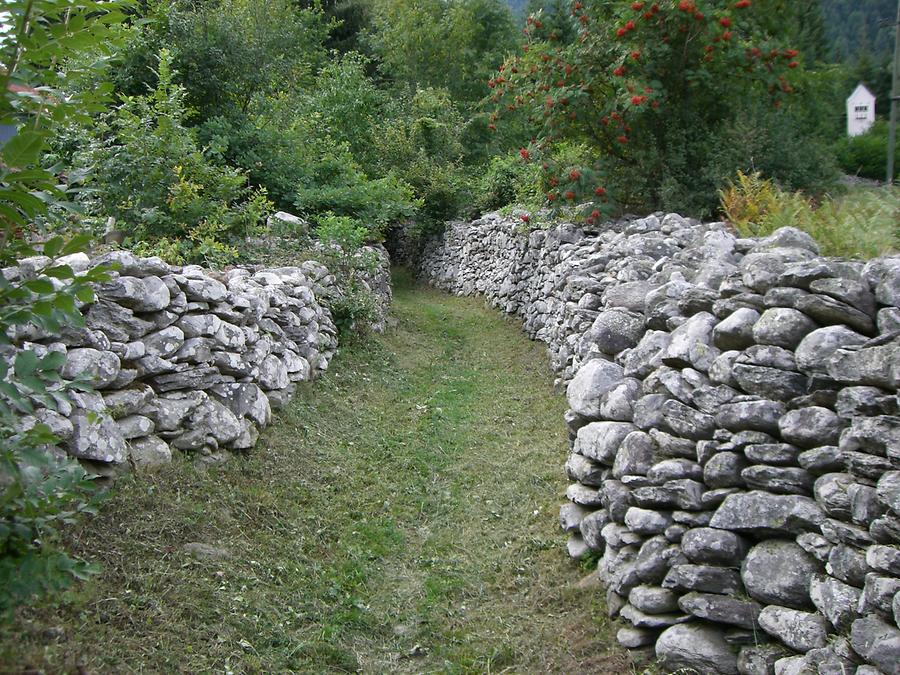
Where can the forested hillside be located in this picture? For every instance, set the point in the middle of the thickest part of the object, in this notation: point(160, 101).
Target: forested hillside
point(856, 28)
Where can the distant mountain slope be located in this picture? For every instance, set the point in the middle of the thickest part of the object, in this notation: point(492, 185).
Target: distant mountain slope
point(859, 26)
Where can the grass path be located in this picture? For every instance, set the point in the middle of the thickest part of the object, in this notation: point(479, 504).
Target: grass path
point(399, 517)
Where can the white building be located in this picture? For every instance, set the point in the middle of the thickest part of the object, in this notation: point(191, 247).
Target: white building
point(860, 111)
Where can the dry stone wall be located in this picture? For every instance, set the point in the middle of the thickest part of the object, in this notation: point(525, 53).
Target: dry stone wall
point(735, 460)
point(183, 358)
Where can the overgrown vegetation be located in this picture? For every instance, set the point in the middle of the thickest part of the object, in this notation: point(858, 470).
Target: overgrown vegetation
point(399, 517)
point(40, 489)
point(861, 224)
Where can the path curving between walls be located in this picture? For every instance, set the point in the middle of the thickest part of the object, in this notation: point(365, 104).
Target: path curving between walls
point(735, 428)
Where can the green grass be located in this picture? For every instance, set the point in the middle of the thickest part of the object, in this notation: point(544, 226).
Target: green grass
point(861, 223)
point(400, 516)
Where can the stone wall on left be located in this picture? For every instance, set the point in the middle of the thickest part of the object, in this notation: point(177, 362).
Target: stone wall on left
point(184, 358)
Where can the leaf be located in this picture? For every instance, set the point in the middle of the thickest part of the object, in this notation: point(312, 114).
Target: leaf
point(39, 286)
point(25, 364)
point(60, 272)
point(23, 149)
point(53, 361)
point(53, 247)
point(76, 244)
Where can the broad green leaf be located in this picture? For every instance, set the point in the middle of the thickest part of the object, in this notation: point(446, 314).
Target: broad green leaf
point(23, 149)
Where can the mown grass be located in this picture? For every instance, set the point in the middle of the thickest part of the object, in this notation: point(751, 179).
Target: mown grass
point(399, 517)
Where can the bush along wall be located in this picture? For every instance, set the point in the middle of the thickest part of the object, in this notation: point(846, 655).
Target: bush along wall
point(735, 457)
point(183, 358)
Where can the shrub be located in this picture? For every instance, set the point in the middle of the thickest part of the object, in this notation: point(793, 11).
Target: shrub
point(644, 86)
point(508, 180)
point(341, 249)
point(149, 172)
point(866, 155)
point(861, 224)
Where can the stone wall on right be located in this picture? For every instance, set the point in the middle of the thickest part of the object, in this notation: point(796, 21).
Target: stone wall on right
point(735, 456)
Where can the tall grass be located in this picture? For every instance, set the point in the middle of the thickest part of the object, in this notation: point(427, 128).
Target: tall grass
point(862, 224)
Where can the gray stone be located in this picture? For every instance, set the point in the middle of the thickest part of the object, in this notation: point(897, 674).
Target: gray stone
point(576, 547)
point(753, 415)
point(616, 330)
point(759, 660)
point(724, 470)
point(783, 480)
point(736, 331)
point(776, 454)
point(641, 620)
point(864, 402)
point(149, 453)
point(822, 460)
point(708, 546)
point(696, 648)
point(164, 343)
point(873, 435)
point(634, 456)
point(816, 545)
point(618, 403)
point(831, 492)
point(815, 350)
point(721, 609)
point(688, 422)
point(571, 515)
point(837, 601)
point(646, 522)
point(801, 631)
point(782, 327)
point(99, 368)
point(149, 294)
point(889, 490)
point(616, 498)
point(591, 528)
point(674, 469)
point(878, 595)
point(828, 311)
point(653, 599)
point(848, 565)
point(593, 380)
point(884, 559)
point(864, 504)
point(96, 437)
point(877, 642)
point(135, 426)
point(810, 427)
point(691, 343)
point(851, 292)
point(583, 495)
point(703, 578)
point(579, 468)
point(876, 366)
point(765, 514)
point(681, 494)
point(601, 440)
point(777, 572)
point(635, 638)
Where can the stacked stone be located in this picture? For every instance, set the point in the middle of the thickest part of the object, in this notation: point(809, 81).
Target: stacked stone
point(736, 441)
point(182, 358)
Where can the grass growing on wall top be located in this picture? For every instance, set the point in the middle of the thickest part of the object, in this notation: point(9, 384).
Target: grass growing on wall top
point(401, 516)
point(863, 223)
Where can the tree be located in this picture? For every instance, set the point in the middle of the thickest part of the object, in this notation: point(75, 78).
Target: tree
point(644, 90)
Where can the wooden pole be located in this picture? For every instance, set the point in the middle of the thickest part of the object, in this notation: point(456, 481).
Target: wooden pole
point(895, 102)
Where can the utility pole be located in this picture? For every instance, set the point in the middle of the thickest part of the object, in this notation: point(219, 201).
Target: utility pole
point(895, 102)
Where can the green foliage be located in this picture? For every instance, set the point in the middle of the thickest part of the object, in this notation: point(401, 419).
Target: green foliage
point(862, 224)
point(855, 28)
point(342, 250)
point(149, 172)
point(442, 45)
point(422, 144)
point(866, 155)
point(508, 180)
point(659, 92)
point(49, 48)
